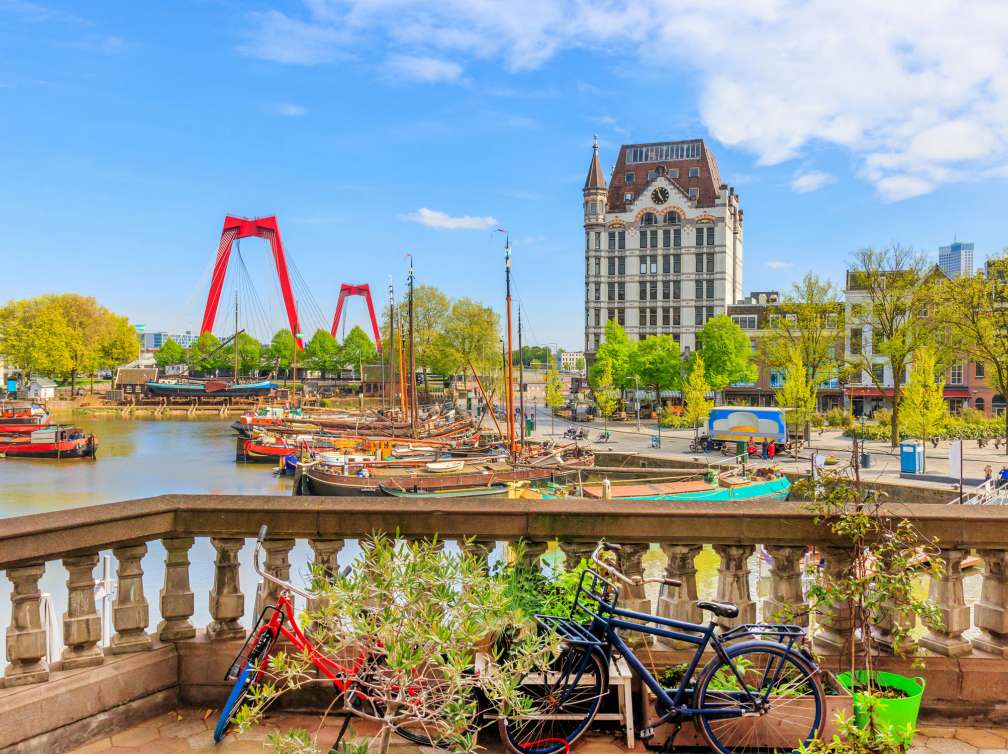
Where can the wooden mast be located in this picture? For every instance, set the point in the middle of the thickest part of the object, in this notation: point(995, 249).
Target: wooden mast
point(510, 358)
point(412, 356)
point(521, 381)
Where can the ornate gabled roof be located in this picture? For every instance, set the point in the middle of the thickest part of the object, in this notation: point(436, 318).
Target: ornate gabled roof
point(638, 164)
point(596, 178)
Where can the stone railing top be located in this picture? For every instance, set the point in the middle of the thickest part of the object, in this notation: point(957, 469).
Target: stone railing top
point(48, 536)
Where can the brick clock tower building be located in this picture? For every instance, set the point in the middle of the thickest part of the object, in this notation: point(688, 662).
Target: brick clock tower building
point(663, 243)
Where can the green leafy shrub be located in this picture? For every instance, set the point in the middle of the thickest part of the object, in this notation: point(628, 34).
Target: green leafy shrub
point(850, 738)
point(837, 417)
point(674, 420)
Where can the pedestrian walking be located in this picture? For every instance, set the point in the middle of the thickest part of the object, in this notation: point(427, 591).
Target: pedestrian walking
point(1003, 476)
point(764, 449)
point(988, 473)
point(771, 450)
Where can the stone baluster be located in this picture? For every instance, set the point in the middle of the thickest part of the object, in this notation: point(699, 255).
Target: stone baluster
point(679, 602)
point(325, 563)
point(883, 631)
point(836, 621)
point(990, 614)
point(277, 565)
point(733, 583)
point(947, 593)
point(479, 548)
point(130, 612)
point(227, 603)
point(177, 600)
point(532, 553)
point(575, 552)
point(82, 629)
point(26, 638)
point(786, 603)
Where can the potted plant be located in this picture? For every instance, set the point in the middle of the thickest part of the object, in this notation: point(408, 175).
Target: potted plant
point(888, 555)
point(410, 614)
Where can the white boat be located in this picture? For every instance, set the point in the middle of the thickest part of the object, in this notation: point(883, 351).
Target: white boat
point(445, 467)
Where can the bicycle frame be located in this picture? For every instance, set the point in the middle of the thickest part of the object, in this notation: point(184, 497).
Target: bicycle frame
point(607, 619)
point(283, 624)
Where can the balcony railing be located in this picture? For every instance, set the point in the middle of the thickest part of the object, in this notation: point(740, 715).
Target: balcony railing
point(966, 668)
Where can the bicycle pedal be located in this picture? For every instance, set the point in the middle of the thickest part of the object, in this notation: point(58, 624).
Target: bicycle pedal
point(646, 734)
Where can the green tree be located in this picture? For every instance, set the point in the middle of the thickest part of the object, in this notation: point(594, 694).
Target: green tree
point(811, 319)
point(87, 325)
point(975, 309)
point(726, 352)
point(657, 364)
point(322, 354)
point(923, 402)
point(797, 394)
point(696, 406)
point(358, 349)
point(119, 344)
point(430, 312)
point(250, 354)
point(605, 393)
point(280, 353)
point(34, 335)
point(470, 333)
point(616, 349)
point(898, 289)
point(201, 356)
point(554, 393)
point(169, 353)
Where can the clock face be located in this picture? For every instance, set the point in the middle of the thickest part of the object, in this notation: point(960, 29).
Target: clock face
point(659, 195)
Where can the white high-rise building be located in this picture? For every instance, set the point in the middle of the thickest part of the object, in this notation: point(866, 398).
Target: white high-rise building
point(663, 242)
point(956, 259)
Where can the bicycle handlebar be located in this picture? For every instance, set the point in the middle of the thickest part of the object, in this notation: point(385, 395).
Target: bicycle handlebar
point(270, 577)
point(616, 573)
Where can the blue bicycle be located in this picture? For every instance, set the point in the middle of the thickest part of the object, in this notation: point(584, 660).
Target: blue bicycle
point(759, 692)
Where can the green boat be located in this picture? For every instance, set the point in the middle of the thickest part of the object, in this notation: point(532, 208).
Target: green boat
point(484, 491)
point(772, 489)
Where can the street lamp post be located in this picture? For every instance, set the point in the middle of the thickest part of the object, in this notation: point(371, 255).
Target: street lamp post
point(637, 400)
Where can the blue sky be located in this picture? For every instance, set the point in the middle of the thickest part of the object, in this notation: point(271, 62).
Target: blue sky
point(373, 128)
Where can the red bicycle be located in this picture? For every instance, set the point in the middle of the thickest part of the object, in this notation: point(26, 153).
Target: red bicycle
point(277, 621)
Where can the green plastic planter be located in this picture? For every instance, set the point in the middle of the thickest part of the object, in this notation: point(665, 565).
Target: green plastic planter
point(899, 715)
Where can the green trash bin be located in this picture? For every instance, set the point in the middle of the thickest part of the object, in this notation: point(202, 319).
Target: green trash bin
point(900, 715)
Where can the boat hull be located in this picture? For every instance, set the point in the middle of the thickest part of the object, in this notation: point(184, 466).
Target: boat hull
point(84, 447)
point(323, 483)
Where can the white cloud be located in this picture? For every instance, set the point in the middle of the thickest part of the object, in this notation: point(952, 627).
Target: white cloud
point(423, 69)
point(289, 110)
point(810, 180)
point(916, 92)
point(779, 264)
point(432, 218)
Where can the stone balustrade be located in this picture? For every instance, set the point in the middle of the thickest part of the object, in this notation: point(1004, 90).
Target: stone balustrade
point(780, 531)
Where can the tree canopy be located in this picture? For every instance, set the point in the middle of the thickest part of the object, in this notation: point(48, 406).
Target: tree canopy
point(798, 393)
point(357, 349)
point(169, 353)
point(616, 350)
point(65, 335)
point(657, 364)
point(923, 402)
point(898, 289)
point(726, 352)
point(696, 406)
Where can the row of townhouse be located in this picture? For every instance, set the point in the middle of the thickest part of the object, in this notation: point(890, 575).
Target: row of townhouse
point(966, 385)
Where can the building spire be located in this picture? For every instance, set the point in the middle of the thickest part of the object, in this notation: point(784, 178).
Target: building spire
point(596, 178)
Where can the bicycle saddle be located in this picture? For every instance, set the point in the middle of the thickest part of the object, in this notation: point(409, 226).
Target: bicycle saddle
point(721, 609)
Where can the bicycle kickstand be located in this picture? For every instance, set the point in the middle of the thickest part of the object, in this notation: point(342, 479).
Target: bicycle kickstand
point(339, 738)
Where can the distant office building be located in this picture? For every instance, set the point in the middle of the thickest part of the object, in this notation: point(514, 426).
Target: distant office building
point(571, 361)
point(956, 259)
point(152, 341)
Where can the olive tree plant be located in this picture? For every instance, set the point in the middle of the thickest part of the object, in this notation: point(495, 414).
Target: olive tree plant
point(408, 617)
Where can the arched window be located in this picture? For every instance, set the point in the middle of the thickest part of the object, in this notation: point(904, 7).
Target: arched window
point(979, 404)
point(671, 218)
point(649, 218)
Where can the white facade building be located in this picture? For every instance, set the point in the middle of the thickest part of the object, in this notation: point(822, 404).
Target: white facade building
point(663, 243)
point(569, 360)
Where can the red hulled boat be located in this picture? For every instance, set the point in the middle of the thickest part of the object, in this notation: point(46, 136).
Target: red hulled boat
point(21, 419)
point(52, 442)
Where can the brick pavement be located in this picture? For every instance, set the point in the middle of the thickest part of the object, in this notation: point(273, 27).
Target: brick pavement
point(189, 730)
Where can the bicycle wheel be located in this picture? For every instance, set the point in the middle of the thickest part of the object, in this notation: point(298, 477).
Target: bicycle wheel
point(790, 703)
point(246, 678)
point(564, 701)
